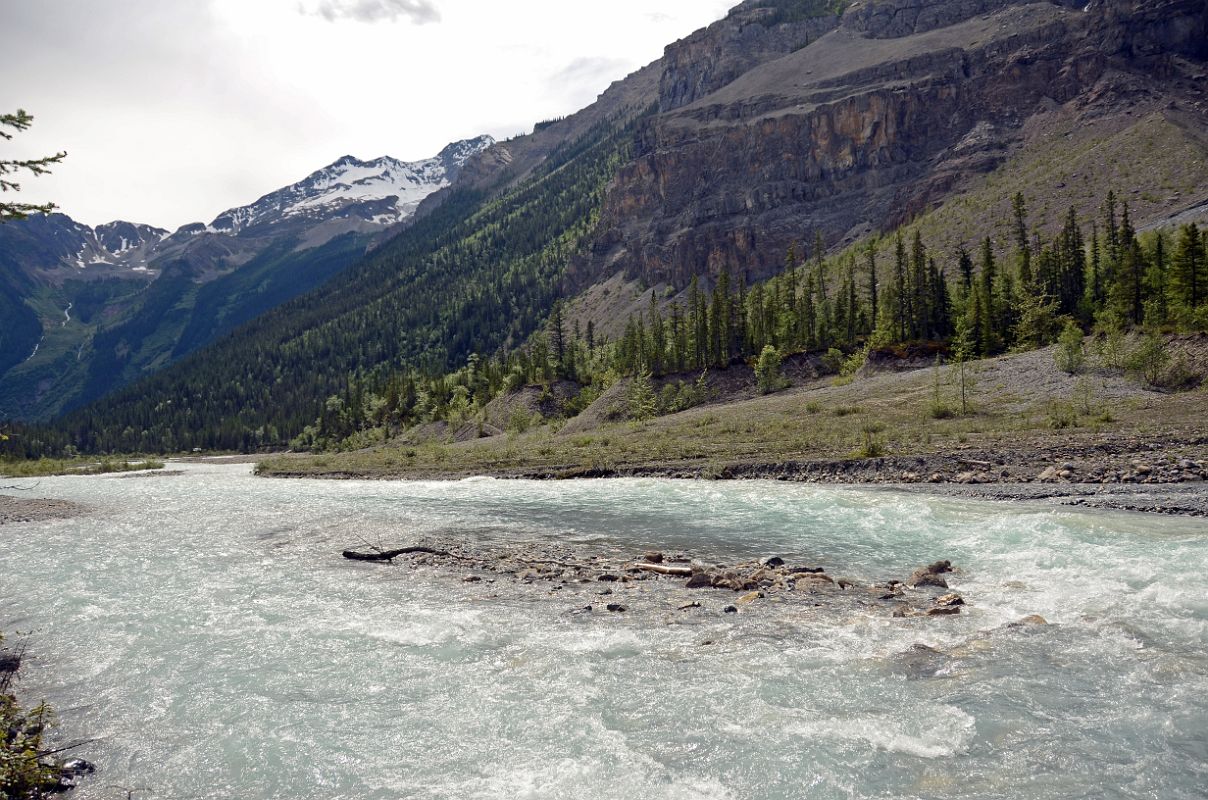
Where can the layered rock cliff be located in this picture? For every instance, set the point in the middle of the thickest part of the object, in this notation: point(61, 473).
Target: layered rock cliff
point(895, 106)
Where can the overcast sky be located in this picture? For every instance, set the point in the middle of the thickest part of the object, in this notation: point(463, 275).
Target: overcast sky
point(173, 111)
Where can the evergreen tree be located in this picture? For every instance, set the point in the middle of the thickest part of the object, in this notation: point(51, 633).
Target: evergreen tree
point(965, 265)
point(658, 338)
point(1023, 249)
point(900, 290)
point(1189, 278)
point(21, 121)
point(871, 261)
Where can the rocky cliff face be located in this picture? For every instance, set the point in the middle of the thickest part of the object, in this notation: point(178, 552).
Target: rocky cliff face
point(751, 34)
point(898, 104)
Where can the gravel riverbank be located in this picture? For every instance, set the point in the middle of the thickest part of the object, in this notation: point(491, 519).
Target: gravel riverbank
point(34, 509)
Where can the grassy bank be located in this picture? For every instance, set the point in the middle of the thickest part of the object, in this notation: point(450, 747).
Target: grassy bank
point(1018, 409)
point(45, 467)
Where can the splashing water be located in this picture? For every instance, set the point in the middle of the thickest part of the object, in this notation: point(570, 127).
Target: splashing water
point(205, 630)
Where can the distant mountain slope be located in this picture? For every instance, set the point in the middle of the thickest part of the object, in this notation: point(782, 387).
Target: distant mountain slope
point(477, 274)
point(94, 308)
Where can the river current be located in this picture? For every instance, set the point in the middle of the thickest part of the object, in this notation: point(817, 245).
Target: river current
point(203, 629)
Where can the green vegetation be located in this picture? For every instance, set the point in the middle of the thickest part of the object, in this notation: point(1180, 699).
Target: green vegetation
point(1111, 282)
point(43, 467)
point(767, 371)
point(483, 278)
point(1070, 356)
point(24, 772)
point(1009, 406)
point(20, 121)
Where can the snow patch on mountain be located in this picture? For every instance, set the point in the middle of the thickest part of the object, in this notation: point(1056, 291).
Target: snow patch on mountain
point(383, 191)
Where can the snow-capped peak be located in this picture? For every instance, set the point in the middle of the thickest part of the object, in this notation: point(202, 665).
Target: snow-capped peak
point(384, 190)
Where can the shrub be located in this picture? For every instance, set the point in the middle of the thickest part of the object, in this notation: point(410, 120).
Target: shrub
point(871, 446)
point(853, 363)
point(813, 407)
point(1069, 355)
point(642, 401)
point(1149, 359)
point(832, 362)
point(767, 371)
point(1061, 416)
point(940, 410)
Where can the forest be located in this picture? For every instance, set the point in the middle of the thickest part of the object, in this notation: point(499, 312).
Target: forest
point(466, 306)
point(1103, 278)
point(478, 274)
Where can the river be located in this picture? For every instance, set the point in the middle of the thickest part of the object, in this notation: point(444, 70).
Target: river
point(204, 630)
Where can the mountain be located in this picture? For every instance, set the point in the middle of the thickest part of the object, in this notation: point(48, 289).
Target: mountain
point(785, 119)
point(94, 308)
point(350, 195)
point(897, 107)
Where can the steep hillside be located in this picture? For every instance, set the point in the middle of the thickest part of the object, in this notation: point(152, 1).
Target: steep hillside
point(902, 106)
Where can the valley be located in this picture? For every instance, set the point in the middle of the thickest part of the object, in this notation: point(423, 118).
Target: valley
point(821, 409)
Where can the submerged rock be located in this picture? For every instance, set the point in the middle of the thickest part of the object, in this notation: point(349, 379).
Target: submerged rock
point(931, 575)
point(70, 772)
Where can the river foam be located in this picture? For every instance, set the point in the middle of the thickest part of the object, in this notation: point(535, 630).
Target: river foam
point(205, 630)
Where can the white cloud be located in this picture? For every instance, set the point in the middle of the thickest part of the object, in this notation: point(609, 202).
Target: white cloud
point(418, 11)
point(172, 112)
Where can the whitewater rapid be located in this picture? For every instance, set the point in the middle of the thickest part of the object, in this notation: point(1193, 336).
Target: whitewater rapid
point(204, 630)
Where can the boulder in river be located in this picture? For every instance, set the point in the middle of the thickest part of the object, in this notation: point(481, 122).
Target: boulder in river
point(931, 575)
point(699, 580)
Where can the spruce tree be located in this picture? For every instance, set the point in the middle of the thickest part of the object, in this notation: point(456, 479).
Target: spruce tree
point(1023, 250)
point(21, 121)
point(1189, 273)
point(871, 262)
point(964, 263)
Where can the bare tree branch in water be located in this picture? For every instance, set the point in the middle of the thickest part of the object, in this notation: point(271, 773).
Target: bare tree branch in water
point(15, 488)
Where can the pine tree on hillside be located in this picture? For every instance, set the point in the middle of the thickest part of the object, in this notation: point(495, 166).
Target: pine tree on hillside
point(1189, 270)
point(1023, 248)
point(871, 263)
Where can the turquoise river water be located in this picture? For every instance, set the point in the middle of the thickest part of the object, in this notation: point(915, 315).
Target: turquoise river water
point(203, 629)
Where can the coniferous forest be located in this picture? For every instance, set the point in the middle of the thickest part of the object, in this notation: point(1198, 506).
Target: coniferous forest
point(1098, 276)
point(419, 353)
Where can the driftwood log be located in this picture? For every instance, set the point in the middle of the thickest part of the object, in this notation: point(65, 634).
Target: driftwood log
point(665, 569)
point(390, 555)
